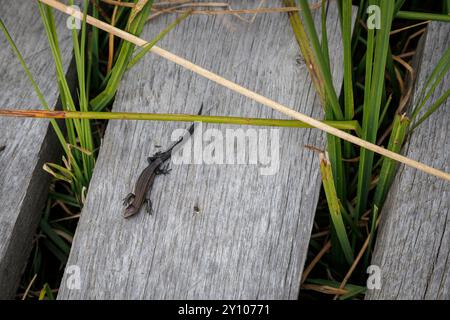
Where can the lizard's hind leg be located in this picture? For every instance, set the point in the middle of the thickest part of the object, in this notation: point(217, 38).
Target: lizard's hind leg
point(149, 206)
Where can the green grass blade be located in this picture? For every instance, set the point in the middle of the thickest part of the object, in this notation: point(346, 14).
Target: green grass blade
point(422, 16)
point(373, 99)
point(54, 237)
point(93, 60)
point(433, 81)
point(398, 5)
point(55, 251)
point(349, 108)
point(321, 65)
point(384, 111)
point(353, 290)
point(102, 115)
point(151, 43)
point(39, 93)
point(306, 50)
point(65, 198)
point(334, 207)
point(46, 292)
point(321, 68)
point(126, 49)
point(348, 65)
point(357, 29)
point(390, 68)
point(440, 101)
point(74, 127)
point(324, 42)
point(83, 126)
point(387, 174)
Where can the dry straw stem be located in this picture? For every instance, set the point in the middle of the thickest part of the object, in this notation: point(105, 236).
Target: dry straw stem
point(357, 259)
point(313, 263)
point(111, 41)
point(27, 290)
point(248, 93)
point(324, 289)
point(177, 7)
point(409, 27)
point(184, 5)
point(118, 3)
point(228, 11)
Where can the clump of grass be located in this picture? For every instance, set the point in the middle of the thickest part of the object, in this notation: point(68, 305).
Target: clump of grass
point(95, 90)
point(135, 21)
point(375, 92)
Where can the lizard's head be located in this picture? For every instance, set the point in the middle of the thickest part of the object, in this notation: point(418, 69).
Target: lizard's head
point(129, 211)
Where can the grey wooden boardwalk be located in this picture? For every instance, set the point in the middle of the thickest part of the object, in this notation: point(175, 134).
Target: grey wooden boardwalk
point(29, 143)
point(250, 237)
point(413, 245)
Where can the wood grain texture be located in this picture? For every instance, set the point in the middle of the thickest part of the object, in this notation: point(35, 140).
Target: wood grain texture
point(29, 143)
point(413, 246)
point(250, 239)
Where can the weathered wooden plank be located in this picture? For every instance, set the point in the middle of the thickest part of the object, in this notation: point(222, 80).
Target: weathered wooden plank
point(250, 238)
point(29, 143)
point(413, 245)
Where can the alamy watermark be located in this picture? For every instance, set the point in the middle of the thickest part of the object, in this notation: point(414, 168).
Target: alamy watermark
point(374, 17)
point(72, 22)
point(73, 279)
point(260, 147)
point(374, 278)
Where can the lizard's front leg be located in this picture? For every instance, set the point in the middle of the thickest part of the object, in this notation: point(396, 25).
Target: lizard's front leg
point(163, 170)
point(153, 157)
point(128, 199)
